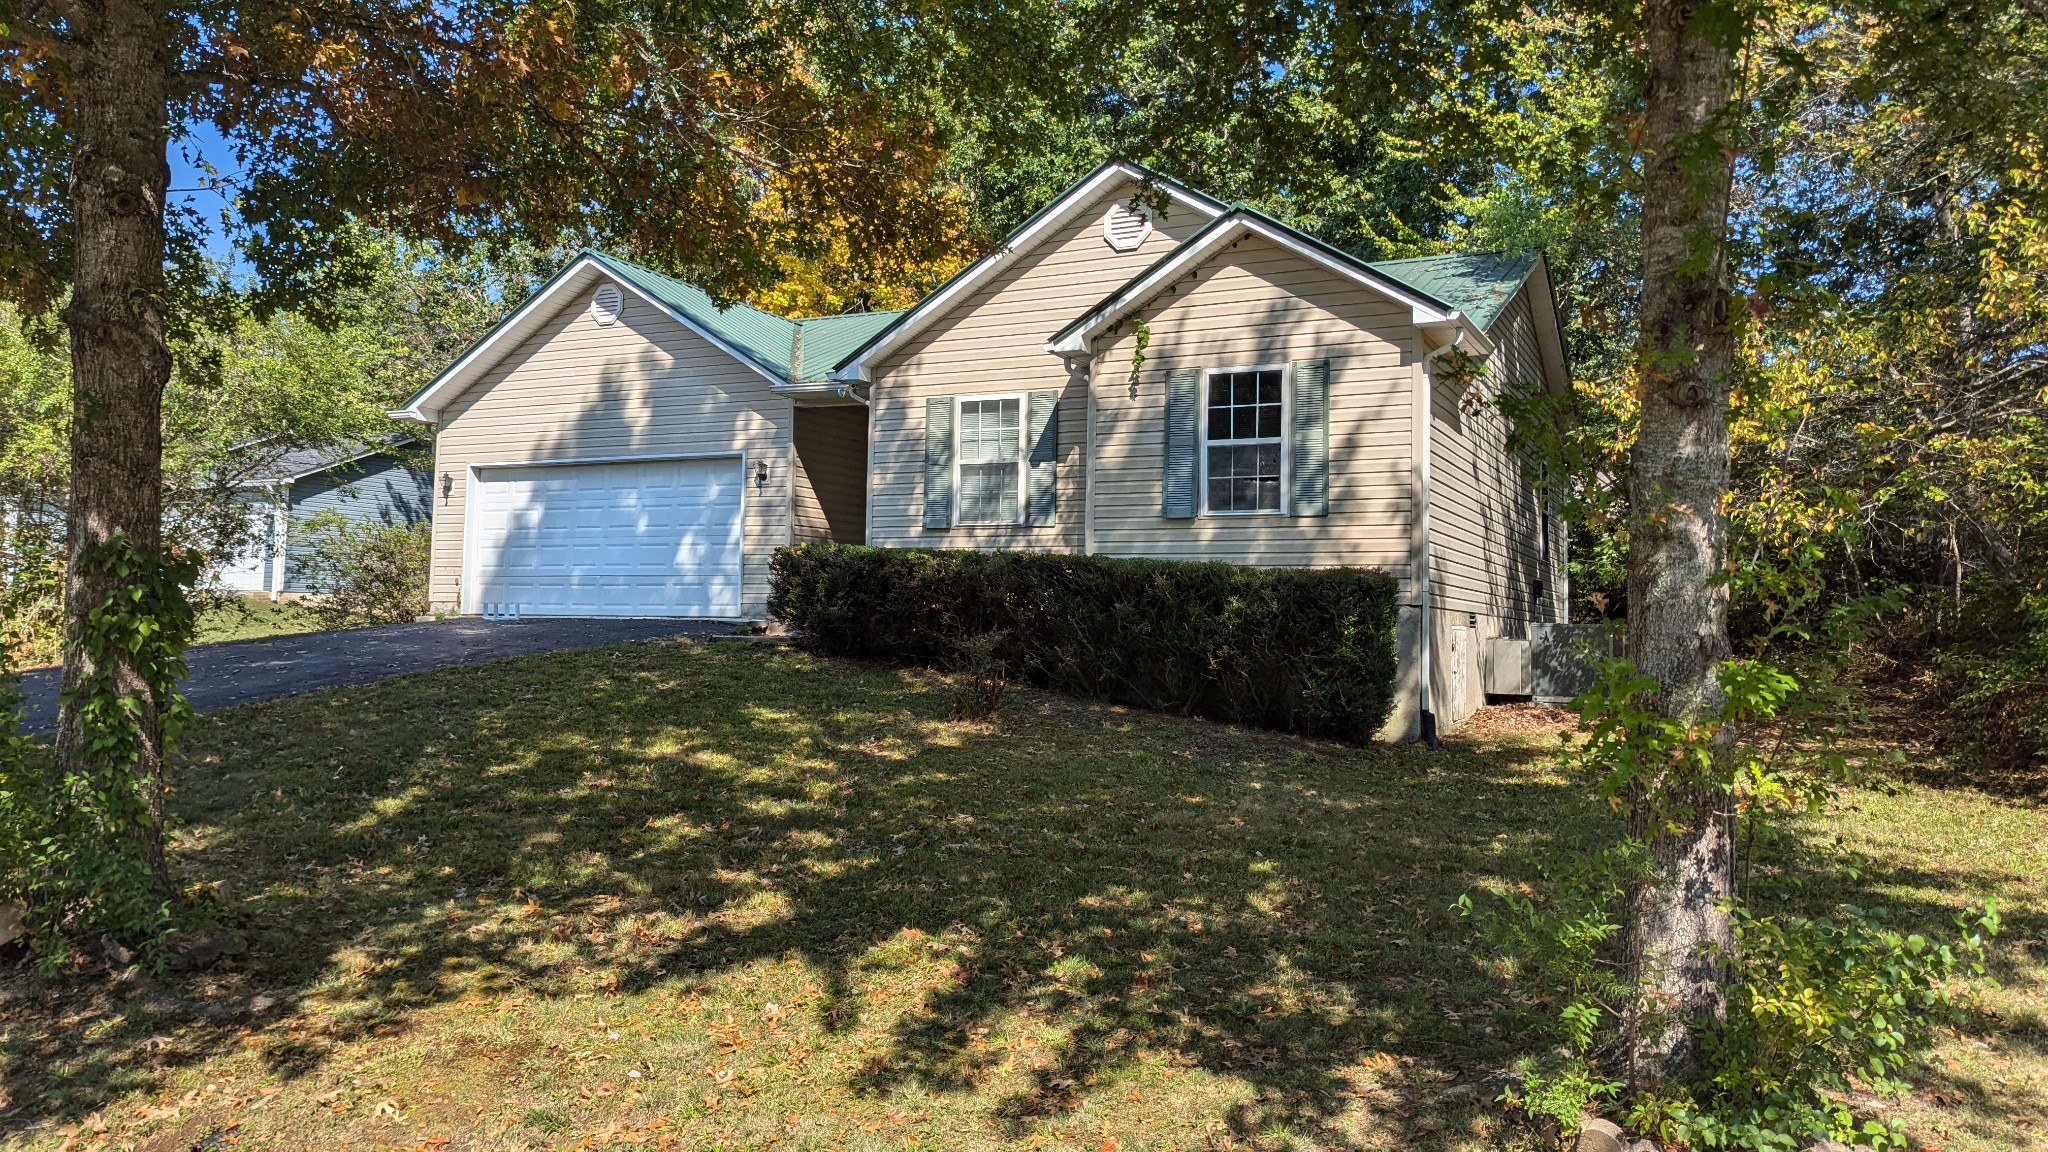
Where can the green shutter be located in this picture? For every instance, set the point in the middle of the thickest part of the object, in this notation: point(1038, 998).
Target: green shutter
point(1183, 409)
point(938, 462)
point(1309, 440)
point(1042, 444)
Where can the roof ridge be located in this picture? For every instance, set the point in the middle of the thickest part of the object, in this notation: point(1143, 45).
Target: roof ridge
point(695, 287)
point(845, 315)
point(1496, 253)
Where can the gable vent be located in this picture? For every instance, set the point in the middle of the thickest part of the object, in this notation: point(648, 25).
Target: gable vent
point(604, 304)
point(1126, 225)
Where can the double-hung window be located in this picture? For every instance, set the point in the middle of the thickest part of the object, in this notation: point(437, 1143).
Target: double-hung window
point(991, 460)
point(1242, 458)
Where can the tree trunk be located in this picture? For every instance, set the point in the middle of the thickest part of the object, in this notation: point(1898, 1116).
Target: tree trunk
point(119, 360)
point(1678, 478)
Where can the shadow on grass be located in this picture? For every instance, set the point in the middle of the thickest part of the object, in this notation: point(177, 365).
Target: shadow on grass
point(660, 814)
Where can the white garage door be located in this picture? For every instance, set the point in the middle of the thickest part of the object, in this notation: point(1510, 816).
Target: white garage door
point(645, 538)
point(250, 569)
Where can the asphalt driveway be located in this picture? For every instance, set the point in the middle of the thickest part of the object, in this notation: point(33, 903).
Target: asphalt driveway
point(245, 671)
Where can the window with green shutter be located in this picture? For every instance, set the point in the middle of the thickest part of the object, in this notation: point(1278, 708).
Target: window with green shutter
point(1042, 440)
point(938, 463)
point(1308, 464)
point(1180, 494)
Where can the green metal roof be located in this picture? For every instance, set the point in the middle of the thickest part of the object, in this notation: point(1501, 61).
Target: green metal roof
point(1479, 284)
point(806, 350)
point(801, 351)
point(822, 341)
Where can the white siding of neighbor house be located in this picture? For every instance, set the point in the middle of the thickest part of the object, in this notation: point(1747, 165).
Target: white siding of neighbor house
point(643, 387)
point(994, 342)
point(1259, 304)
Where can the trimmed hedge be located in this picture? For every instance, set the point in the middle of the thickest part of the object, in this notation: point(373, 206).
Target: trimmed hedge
point(1300, 650)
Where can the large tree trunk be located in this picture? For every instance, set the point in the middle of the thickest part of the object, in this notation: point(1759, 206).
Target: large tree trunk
point(1678, 478)
point(119, 361)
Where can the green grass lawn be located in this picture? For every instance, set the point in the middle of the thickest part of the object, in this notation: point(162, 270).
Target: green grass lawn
point(251, 618)
point(714, 895)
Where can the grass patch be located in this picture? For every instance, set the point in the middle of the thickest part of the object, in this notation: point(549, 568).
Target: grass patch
point(695, 895)
point(251, 618)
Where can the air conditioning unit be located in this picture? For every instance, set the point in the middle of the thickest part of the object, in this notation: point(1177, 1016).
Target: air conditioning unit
point(1507, 667)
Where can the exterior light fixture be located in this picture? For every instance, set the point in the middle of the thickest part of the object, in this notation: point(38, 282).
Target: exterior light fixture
point(761, 474)
point(447, 485)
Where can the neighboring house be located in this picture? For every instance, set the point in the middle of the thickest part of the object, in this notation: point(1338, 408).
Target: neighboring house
point(1139, 370)
point(286, 489)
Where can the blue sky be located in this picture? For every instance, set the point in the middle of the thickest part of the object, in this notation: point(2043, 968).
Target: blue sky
point(189, 182)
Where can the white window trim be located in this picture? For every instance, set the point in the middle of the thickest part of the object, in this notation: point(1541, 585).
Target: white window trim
point(1023, 438)
point(1286, 448)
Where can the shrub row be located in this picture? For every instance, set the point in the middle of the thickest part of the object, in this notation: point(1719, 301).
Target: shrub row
point(1309, 651)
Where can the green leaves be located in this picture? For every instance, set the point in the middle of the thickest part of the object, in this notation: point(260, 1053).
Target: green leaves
point(69, 849)
point(364, 572)
point(1817, 1001)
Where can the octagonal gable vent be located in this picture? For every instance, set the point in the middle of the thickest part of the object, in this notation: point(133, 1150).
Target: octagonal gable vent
point(605, 304)
point(1126, 225)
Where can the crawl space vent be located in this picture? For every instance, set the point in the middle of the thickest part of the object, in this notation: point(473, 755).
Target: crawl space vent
point(604, 304)
point(1126, 226)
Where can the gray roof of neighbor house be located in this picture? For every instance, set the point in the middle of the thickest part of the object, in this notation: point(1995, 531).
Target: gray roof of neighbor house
point(269, 463)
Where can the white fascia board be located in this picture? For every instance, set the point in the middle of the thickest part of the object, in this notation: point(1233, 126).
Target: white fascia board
point(1458, 329)
point(581, 272)
point(1080, 342)
point(823, 390)
point(1549, 330)
point(1055, 216)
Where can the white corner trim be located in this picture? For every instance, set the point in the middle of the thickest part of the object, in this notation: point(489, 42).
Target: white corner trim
point(516, 327)
point(1080, 342)
point(1054, 216)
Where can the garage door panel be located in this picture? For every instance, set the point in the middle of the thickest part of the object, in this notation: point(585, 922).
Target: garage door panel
point(641, 538)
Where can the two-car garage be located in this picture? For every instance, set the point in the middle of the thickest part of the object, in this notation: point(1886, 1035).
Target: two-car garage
point(658, 537)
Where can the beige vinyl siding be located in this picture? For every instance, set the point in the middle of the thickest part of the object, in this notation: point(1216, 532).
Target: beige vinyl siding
point(993, 342)
point(1258, 304)
point(1485, 540)
point(643, 387)
point(831, 473)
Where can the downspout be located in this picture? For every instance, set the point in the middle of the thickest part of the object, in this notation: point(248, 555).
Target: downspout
point(1087, 456)
point(1426, 641)
point(280, 542)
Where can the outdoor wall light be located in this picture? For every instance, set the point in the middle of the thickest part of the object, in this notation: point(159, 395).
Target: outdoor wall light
point(761, 474)
point(447, 486)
